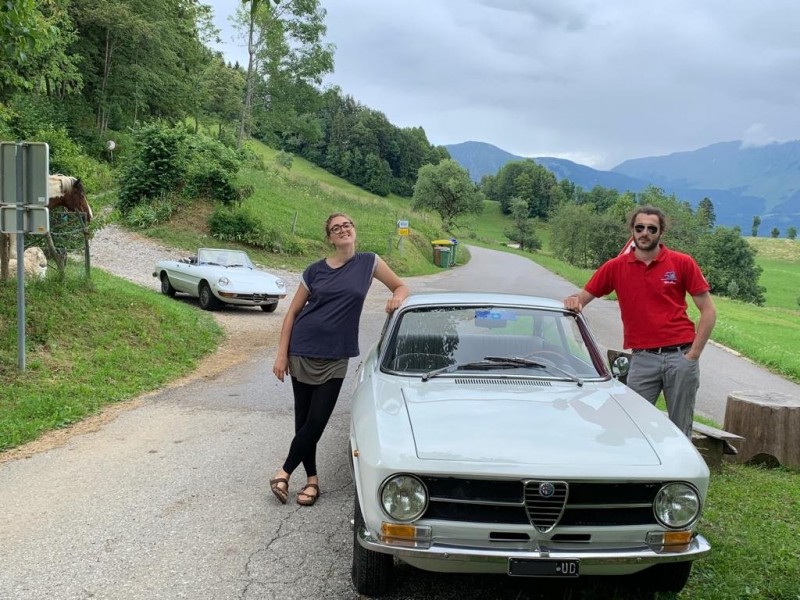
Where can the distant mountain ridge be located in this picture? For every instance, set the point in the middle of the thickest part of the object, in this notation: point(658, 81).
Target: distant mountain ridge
point(741, 181)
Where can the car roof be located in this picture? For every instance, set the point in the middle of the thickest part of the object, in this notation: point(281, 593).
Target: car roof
point(480, 298)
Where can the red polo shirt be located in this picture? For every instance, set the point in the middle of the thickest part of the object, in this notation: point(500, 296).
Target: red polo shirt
point(652, 298)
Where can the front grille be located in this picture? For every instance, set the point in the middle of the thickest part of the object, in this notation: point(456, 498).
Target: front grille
point(255, 297)
point(576, 503)
point(544, 503)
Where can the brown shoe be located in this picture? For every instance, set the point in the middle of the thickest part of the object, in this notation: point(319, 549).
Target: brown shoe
point(281, 494)
point(310, 499)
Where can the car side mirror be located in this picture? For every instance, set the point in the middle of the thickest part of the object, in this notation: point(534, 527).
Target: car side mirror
point(620, 363)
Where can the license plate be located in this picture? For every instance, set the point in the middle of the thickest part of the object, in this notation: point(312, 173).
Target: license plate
point(543, 567)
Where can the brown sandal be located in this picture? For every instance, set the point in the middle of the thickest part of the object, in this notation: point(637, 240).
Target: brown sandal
point(280, 493)
point(311, 499)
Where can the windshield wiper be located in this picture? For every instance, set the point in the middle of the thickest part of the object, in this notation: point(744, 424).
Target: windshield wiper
point(478, 365)
point(527, 362)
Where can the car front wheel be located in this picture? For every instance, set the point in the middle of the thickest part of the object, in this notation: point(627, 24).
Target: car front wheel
point(372, 571)
point(208, 301)
point(166, 286)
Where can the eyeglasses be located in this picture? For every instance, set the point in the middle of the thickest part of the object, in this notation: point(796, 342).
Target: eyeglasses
point(650, 229)
point(340, 227)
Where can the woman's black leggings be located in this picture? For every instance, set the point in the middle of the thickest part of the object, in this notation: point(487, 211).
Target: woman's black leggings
point(313, 405)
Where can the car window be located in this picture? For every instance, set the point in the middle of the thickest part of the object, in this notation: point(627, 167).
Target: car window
point(429, 338)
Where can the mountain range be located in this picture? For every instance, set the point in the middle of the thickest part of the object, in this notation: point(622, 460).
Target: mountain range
point(741, 181)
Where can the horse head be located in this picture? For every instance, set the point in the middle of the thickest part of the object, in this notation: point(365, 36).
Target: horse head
point(68, 192)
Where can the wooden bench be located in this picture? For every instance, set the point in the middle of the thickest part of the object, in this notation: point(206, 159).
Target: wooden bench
point(713, 444)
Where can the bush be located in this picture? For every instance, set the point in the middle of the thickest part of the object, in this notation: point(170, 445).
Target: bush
point(166, 161)
point(239, 226)
point(156, 167)
point(284, 159)
point(150, 213)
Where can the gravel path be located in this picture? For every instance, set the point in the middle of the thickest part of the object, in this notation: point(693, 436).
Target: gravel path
point(133, 257)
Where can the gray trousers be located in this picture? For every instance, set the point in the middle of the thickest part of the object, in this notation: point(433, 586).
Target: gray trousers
point(674, 374)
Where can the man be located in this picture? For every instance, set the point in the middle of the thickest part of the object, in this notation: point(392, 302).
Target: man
point(651, 282)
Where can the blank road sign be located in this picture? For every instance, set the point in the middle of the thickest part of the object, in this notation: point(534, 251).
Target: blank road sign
point(35, 172)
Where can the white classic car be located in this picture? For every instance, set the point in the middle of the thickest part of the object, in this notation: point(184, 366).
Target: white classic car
point(216, 276)
point(489, 436)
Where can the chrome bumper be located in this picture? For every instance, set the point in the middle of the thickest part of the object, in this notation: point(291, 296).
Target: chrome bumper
point(636, 558)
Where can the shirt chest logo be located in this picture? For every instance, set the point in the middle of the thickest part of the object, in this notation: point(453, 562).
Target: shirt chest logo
point(669, 278)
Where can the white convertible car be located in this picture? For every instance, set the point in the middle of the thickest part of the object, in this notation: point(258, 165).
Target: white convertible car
point(489, 436)
point(217, 276)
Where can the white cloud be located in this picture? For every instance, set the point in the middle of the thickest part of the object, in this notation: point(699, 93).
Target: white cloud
point(757, 135)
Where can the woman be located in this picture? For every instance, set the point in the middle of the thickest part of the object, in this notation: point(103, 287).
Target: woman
point(318, 336)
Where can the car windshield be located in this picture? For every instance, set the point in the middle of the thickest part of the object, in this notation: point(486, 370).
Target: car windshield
point(523, 341)
point(223, 258)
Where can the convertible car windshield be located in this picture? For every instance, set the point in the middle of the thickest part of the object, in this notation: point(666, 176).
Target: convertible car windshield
point(535, 342)
point(223, 258)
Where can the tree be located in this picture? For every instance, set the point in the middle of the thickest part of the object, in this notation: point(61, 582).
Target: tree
point(222, 93)
point(775, 232)
point(791, 232)
point(756, 223)
point(284, 48)
point(447, 189)
point(522, 231)
point(728, 263)
point(584, 238)
point(705, 214)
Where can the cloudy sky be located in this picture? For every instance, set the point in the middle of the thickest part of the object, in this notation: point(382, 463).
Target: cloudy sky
point(594, 81)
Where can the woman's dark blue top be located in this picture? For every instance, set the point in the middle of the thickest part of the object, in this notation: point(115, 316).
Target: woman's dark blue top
point(327, 326)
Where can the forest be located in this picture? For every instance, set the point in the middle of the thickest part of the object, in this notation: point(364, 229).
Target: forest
point(78, 73)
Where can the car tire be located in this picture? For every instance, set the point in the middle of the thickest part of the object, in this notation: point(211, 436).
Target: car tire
point(372, 571)
point(670, 577)
point(269, 307)
point(208, 301)
point(166, 286)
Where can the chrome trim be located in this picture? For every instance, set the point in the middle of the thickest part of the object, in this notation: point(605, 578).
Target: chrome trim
point(640, 556)
point(477, 502)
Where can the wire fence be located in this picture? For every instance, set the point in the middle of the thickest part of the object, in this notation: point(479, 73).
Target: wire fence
point(68, 238)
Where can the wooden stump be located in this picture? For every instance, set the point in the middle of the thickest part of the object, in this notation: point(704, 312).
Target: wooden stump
point(770, 424)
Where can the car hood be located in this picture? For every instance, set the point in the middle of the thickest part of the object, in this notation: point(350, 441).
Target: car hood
point(518, 424)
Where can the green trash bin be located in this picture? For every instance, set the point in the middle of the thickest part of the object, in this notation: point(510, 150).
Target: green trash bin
point(453, 251)
point(444, 257)
point(445, 245)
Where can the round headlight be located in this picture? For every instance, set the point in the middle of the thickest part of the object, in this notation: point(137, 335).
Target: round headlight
point(404, 497)
point(677, 505)
point(223, 281)
point(280, 283)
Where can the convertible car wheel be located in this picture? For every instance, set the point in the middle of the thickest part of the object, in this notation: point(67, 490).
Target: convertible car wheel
point(166, 286)
point(208, 301)
point(372, 571)
point(269, 307)
point(670, 577)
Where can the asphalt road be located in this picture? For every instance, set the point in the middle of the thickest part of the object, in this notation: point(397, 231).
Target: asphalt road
point(170, 499)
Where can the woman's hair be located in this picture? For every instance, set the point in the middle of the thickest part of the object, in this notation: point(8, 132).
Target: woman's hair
point(649, 210)
point(332, 217)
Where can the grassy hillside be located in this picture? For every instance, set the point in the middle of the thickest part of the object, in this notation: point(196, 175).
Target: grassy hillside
point(297, 201)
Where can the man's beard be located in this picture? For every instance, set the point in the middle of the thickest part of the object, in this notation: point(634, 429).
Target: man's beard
point(648, 246)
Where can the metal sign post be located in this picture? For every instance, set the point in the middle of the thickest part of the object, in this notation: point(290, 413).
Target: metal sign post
point(24, 172)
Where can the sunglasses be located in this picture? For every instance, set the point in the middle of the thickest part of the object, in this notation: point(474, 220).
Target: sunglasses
point(340, 227)
point(650, 229)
